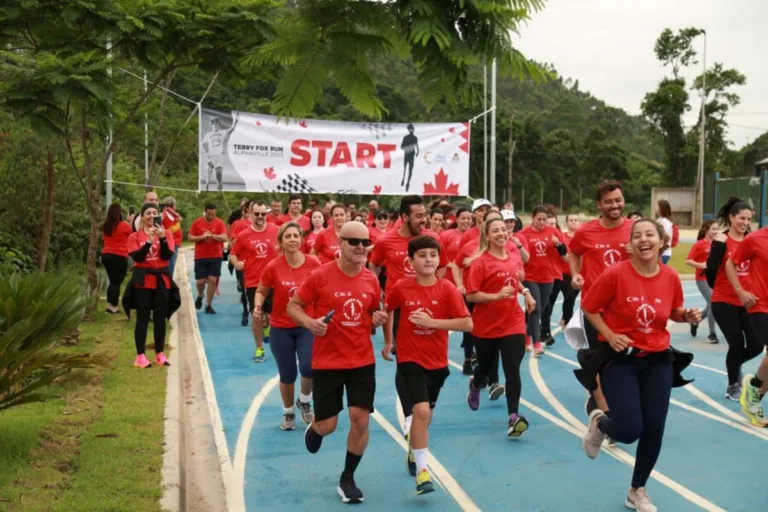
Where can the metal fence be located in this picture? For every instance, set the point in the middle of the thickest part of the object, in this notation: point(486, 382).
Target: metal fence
point(753, 190)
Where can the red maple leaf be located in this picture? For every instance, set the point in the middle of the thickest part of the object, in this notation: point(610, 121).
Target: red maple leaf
point(377, 189)
point(452, 129)
point(258, 123)
point(303, 124)
point(441, 187)
point(442, 140)
point(269, 173)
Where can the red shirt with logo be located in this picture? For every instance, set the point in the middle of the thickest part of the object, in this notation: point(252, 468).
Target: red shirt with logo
point(499, 318)
point(347, 342)
point(636, 306)
point(135, 242)
point(753, 254)
point(391, 251)
point(699, 253)
point(599, 248)
point(255, 249)
point(285, 281)
point(303, 221)
point(208, 249)
point(469, 235)
point(327, 245)
point(723, 291)
point(238, 226)
point(309, 242)
point(117, 242)
point(426, 347)
point(543, 263)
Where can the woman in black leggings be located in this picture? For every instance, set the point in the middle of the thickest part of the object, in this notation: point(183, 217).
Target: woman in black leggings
point(114, 254)
point(630, 305)
point(744, 342)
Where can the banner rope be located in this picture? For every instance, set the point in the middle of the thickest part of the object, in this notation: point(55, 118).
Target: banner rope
point(152, 186)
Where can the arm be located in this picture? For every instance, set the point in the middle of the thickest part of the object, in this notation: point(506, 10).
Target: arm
point(295, 311)
point(166, 253)
point(261, 295)
point(140, 254)
point(458, 277)
point(696, 264)
point(463, 324)
point(483, 298)
point(715, 258)
point(440, 272)
point(747, 298)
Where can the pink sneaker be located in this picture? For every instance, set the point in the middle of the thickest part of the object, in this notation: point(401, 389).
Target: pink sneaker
point(538, 348)
point(142, 361)
point(161, 360)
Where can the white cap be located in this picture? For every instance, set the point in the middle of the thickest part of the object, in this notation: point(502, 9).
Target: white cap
point(507, 215)
point(480, 202)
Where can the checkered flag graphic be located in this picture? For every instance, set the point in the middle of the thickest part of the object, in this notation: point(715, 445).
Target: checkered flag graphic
point(378, 130)
point(295, 183)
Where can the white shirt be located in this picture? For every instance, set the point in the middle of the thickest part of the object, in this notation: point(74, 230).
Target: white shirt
point(667, 225)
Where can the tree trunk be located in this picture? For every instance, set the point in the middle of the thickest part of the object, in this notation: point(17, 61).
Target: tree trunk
point(44, 241)
point(93, 245)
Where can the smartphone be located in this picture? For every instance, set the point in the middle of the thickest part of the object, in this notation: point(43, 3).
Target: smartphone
point(328, 317)
point(131, 210)
point(158, 221)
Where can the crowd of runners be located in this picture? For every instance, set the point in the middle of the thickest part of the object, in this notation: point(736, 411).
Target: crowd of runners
point(316, 284)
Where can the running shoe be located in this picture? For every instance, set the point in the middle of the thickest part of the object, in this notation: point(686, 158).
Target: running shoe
point(467, 368)
point(306, 411)
point(142, 361)
point(161, 360)
point(473, 397)
point(424, 483)
point(348, 491)
point(593, 439)
point(244, 319)
point(550, 340)
point(528, 346)
point(289, 422)
point(517, 425)
point(590, 405)
point(694, 330)
point(198, 303)
point(260, 356)
point(495, 391)
point(410, 460)
point(733, 392)
point(712, 339)
point(750, 402)
point(638, 499)
point(266, 334)
point(538, 349)
point(545, 337)
point(209, 310)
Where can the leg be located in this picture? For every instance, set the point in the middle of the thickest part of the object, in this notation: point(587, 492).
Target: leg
point(512, 349)
point(304, 342)
point(546, 312)
point(706, 292)
point(284, 351)
point(143, 302)
point(212, 283)
point(569, 299)
point(655, 382)
point(486, 359)
point(729, 320)
point(622, 392)
point(402, 394)
point(257, 328)
point(361, 389)
point(172, 261)
point(159, 312)
point(410, 173)
point(755, 386)
point(597, 394)
point(328, 393)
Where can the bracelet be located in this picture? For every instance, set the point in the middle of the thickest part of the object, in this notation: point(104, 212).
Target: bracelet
point(524, 291)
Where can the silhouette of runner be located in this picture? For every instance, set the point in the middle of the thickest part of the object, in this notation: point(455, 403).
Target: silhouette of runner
point(410, 147)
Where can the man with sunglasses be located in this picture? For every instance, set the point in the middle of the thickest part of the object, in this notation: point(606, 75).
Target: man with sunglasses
point(343, 297)
point(254, 247)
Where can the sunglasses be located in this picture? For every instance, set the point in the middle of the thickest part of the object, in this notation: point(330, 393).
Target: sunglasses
point(259, 214)
point(354, 242)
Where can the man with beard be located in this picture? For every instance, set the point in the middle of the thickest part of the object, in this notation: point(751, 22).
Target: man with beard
point(596, 246)
point(254, 247)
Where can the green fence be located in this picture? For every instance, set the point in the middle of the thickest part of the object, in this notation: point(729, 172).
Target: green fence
point(753, 190)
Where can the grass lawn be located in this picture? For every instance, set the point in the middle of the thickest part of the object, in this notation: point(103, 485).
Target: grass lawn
point(93, 446)
point(679, 254)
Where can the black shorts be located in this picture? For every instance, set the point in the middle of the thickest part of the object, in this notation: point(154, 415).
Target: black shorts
point(250, 295)
point(760, 323)
point(591, 333)
point(422, 385)
point(328, 390)
point(207, 267)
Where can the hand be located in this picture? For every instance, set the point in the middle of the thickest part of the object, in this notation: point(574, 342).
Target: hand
point(240, 265)
point(505, 293)
point(462, 289)
point(747, 298)
point(422, 319)
point(619, 342)
point(318, 327)
point(386, 352)
point(530, 302)
point(516, 241)
point(577, 282)
point(721, 237)
point(555, 240)
point(159, 231)
point(692, 316)
point(378, 318)
point(257, 311)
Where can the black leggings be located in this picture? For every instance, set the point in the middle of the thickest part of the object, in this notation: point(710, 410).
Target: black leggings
point(546, 313)
point(512, 350)
point(743, 339)
point(637, 390)
point(467, 342)
point(116, 267)
point(538, 290)
point(150, 301)
point(569, 299)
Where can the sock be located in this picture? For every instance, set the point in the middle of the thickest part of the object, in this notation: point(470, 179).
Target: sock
point(756, 382)
point(408, 420)
point(312, 440)
point(421, 459)
point(288, 410)
point(351, 463)
point(305, 399)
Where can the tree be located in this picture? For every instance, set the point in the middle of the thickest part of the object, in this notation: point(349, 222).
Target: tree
point(676, 50)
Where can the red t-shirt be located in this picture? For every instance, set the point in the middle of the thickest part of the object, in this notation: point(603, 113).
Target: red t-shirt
point(303, 221)
point(499, 318)
point(172, 222)
point(135, 242)
point(284, 281)
point(599, 248)
point(543, 263)
point(752, 254)
point(272, 218)
point(375, 233)
point(469, 235)
point(327, 245)
point(425, 347)
point(347, 342)
point(565, 267)
point(255, 249)
point(117, 242)
point(309, 242)
point(636, 306)
point(391, 251)
point(208, 249)
point(723, 291)
point(699, 253)
point(238, 226)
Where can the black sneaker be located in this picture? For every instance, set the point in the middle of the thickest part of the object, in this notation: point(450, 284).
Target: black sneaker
point(209, 310)
point(198, 303)
point(712, 339)
point(348, 490)
point(467, 369)
point(694, 330)
point(244, 321)
point(311, 440)
point(550, 340)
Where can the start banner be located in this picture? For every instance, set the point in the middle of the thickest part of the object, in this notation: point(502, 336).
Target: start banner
point(240, 151)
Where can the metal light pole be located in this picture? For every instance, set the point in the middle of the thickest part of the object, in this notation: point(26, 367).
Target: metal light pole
point(109, 142)
point(485, 131)
point(146, 138)
point(702, 134)
point(492, 197)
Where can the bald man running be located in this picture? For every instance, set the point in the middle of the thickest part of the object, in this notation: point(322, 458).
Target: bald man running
point(344, 298)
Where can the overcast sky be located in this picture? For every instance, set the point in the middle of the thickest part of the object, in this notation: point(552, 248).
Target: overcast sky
point(608, 46)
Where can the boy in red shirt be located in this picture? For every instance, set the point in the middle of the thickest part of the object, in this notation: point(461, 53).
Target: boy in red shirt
point(209, 234)
point(430, 307)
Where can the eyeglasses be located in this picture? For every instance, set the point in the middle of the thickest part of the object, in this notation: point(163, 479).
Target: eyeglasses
point(259, 214)
point(354, 242)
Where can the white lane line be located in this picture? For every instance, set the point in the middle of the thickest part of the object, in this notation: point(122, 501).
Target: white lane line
point(740, 422)
point(450, 485)
point(709, 368)
point(241, 447)
point(217, 424)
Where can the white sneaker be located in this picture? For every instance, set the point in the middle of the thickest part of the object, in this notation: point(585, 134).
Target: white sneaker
point(593, 439)
point(638, 499)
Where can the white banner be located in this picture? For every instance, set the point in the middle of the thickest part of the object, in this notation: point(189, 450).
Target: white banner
point(240, 151)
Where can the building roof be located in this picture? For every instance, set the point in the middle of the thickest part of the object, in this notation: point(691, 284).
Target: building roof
point(762, 162)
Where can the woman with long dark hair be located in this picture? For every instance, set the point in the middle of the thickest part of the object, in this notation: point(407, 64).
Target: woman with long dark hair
point(744, 342)
point(317, 225)
point(697, 258)
point(114, 254)
point(664, 218)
